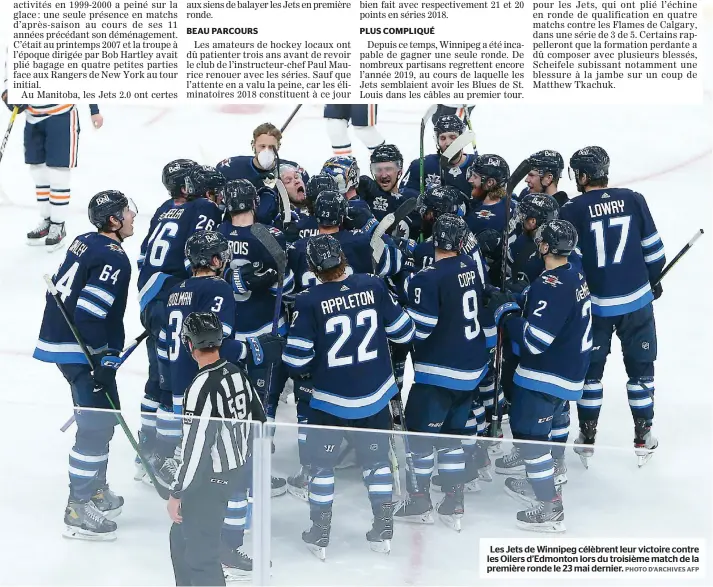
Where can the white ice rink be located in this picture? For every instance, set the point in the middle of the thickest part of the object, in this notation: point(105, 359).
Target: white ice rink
point(665, 153)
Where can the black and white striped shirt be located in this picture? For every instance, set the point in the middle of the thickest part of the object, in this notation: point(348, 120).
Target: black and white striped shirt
point(222, 392)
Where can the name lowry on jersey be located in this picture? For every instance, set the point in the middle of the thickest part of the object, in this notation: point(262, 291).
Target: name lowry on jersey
point(362, 298)
point(180, 298)
point(606, 208)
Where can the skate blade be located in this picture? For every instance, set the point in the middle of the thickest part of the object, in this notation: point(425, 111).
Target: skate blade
point(53, 248)
point(425, 518)
point(80, 534)
point(36, 242)
point(139, 473)
point(495, 450)
point(112, 514)
point(485, 474)
point(319, 551)
point(278, 491)
point(644, 456)
point(382, 546)
point(453, 521)
point(472, 486)
point(236, 575)
point(544, 527)
point(300, 494)
point(519, 497)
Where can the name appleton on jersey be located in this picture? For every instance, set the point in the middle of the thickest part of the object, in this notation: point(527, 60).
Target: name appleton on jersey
point(173, 214)
point(78, 248)
point(180, 298)
point(606, 208)
point(361, 298)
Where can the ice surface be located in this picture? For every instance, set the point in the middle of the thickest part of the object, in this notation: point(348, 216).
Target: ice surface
point(664, 153)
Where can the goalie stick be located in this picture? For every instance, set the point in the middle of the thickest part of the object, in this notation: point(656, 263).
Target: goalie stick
point(130, 348)
point(90, 359)
point(515, 178)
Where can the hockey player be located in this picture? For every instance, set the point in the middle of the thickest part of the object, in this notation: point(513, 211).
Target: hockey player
point(450, 358)
point(547, 167)
point(382, 192)
point(623, 257)
point(330, 210)
point(305, 224)
point(260, 168)
point(554, 340)
point(164, 266)
point(93, 281)
point(293, 179)
point(339, 333)
point(446, 130)
point(362, 118)
point(51, 143)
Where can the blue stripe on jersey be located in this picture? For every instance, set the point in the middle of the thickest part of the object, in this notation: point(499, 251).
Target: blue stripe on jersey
point(548, 383)
point(448, 377)
point(618, 305)
point(354, 407)
point(298, 351)
point(491, 336)
point(264, 329)
point(99, 294)
point(62, 353)
point(151, 289)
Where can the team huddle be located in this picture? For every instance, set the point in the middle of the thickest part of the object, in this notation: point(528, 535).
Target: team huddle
point(505, 304)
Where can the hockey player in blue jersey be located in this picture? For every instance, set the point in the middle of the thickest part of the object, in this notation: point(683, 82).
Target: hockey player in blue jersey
point(450, 358)
point(623, 256)
point(543, 177)
point(164, 266)
point(345, 172)
point(382, 192)
point(339, 334)
point(553, 338)
point(93, 281)
point(260, 168)
point(446, 130)
point(305, 224)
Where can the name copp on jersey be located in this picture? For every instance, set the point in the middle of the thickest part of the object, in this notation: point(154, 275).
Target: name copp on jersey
point(164, 257)
point(339, 334)
point(254, 310)
point(93, 282)
point(622, 252)
point(451, 342)
point(554, 336)
point(197, 294)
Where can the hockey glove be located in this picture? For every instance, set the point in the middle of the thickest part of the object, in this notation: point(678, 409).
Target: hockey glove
point(251, 277)
point(502, 305)
point(358, 215)
point(405, 245)
point(657, 290)
point(11, 107)
point(106, 363)
point(491, 245)
point(263, 362)
point(518, 287)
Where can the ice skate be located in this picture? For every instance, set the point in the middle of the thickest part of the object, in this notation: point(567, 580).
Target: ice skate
point(469, 486)
point(560, 472)
point(140, 471)
point(298, 485)
point(511, 464)
point(37, 236)
point(587, 434)
point(519, 488)
point(237, 566)
point(495, 447)
point(85, 522)
point(416, 508)
point(451, 508)
point(107, 502)
point(317, 537)
point(278, 486)
point(165, 472)
point(56, 237)
point(644, 442)
point(382, 530)
point(545, 516)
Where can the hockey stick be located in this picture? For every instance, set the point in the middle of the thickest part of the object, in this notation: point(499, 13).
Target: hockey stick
point(466, 115)
point(295, 111)
point(410, 471)
point(7, 132)
point(456, 147)
point(681, 253)
point(422, 169)
point(391, 219)
point(261, 233)
point(515, 178)
point(124, 355)
point(90, 359)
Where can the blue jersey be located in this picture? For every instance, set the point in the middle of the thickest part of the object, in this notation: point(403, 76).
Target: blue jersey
point(436, 176)
point(197, 294)
point(152, 226)
point(93, 281)
point(382, 203)
point(357, 249)
point(339, 334)
point(165, 257)
point(446, 304)
point(554, 335)
point(254, 310)
point(243, 167)
point(622, 252)
point(482, 216)
point(306, 224)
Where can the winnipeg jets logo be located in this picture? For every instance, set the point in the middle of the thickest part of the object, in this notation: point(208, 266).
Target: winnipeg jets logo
point(380, 204)
point(551, 280)
point(433, 179)
point(455, 171)
point(225, 163)
point(484, 214)
point(117, 248)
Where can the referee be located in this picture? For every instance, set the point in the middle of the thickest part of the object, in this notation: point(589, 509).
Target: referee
point(214, 451)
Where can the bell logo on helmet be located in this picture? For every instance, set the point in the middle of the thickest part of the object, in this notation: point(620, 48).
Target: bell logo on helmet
point(103, 200)
point(494, 162)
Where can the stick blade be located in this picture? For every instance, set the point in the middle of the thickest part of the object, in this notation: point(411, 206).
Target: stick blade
point(262, 233)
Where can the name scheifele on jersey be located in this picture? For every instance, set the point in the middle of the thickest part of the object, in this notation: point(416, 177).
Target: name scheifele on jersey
point(622, 252)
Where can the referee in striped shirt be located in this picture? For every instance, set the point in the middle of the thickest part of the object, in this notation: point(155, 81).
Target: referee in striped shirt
point(214, 451)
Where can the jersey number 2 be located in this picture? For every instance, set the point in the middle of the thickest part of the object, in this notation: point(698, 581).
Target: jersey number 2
point(344, 325)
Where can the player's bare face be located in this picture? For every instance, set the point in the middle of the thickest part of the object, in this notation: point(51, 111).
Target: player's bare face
point(127, 228)
point(386, 175)
point(534, 181)
point(445, 139)
point(294, 185)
